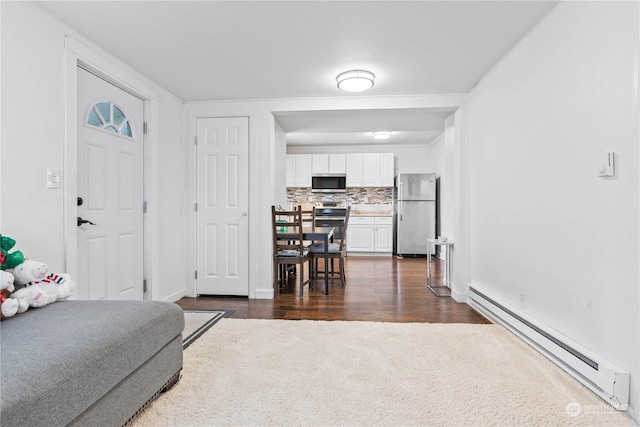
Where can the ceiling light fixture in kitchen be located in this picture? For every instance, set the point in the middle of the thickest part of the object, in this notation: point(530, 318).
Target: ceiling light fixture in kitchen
point(381, 135)
point(355, 80)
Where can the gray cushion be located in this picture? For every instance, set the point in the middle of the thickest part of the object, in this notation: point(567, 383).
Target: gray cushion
point(319, 247)
point(59, 359)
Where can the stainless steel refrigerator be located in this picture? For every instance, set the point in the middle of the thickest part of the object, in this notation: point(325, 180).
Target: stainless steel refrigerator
point(415, 212)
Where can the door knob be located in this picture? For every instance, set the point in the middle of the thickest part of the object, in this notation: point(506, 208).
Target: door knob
point(80, 201)
point(244, 214)
point(84, 221)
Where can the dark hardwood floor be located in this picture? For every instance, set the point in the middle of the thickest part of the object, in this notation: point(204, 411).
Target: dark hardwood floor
point(384, 289)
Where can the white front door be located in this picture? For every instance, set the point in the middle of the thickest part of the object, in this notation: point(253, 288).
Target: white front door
point(222, 197)
point(110, 191)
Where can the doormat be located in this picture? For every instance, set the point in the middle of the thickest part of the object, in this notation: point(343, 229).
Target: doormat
point(197, 322)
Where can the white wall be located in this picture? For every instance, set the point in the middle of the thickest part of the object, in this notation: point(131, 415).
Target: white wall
point(542, 222)
point(167, 282)
point(33, 85)
point(441, 160)
point(280, 166)
point(32, 129)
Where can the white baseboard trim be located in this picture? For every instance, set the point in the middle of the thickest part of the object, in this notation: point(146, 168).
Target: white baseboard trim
point(461, 297)
point(264, 294)
point(384, 254)
point(176, 296)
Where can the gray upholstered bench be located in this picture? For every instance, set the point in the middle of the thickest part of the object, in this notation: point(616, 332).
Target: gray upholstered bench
point(93, 363)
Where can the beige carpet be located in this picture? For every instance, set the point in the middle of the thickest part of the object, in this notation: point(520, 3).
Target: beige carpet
point(317, 373)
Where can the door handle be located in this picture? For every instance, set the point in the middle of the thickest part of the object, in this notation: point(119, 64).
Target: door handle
point(84, 221)
point(400, 200)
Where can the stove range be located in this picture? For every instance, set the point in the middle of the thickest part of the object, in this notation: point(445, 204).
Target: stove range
point(331, 216)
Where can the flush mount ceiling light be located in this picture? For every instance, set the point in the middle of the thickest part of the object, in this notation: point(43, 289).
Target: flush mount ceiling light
point(381, 135)
point(355, 80)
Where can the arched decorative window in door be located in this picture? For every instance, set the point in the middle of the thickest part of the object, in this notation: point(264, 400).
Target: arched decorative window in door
point(108, 116)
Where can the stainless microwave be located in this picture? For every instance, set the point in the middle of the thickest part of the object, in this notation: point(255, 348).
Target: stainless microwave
point(329, 183)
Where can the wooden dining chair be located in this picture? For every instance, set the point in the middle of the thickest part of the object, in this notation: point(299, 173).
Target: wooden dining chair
point(336, 251)
point(309, 217)
point(308, 220)
point(288, 250)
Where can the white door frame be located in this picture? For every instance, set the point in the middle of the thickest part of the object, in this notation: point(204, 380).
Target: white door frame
point(77, 53)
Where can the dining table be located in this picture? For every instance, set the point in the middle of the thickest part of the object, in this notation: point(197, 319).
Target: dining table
point(314, 234)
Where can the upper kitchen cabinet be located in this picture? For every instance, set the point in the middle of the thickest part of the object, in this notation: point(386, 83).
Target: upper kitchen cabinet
point(387, 171)
point(354, 170)
point(337, 163)
point(370, 169)
point(361, 169)
point(329, 163)
point(299, 170)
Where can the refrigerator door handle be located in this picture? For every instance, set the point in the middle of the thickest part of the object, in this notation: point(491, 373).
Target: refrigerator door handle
point(400, 200)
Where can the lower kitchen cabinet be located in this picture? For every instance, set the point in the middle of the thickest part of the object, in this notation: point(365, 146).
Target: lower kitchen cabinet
point(370, 234)
point(384, 234)
point(360, 237)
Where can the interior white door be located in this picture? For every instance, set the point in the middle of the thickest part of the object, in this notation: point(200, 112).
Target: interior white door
point(222, 197)
point(110, 191)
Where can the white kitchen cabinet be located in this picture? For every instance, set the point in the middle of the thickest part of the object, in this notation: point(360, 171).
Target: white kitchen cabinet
point(354, 170)
point(370, 234)
point(360, 236)
point(337, 163)
point(370, 169)
point(383, 234)
point(387, 169)
point(320, 163)
point(298, 170)
point(291, 170)
point(329, 163)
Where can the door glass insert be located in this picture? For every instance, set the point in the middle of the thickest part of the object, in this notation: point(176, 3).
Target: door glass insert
point(110, 117)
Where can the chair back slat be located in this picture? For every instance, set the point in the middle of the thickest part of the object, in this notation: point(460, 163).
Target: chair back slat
point(290, 221)
point(345, 224)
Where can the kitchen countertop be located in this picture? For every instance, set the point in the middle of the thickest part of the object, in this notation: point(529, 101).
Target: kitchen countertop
point(373, 213)
point(363, 209)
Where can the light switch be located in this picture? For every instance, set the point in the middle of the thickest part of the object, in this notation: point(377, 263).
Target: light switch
point(607, 166)
point(53, 178)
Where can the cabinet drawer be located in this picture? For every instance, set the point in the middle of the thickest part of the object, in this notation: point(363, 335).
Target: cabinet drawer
point(382, 220)
point(361, 220)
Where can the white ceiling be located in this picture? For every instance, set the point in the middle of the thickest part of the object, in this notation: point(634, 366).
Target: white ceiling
point(222, 50)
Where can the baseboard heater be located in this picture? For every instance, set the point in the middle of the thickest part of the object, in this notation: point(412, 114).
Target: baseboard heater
point(603, 378)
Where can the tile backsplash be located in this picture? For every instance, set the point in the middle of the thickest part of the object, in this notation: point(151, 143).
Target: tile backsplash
point(353, 195)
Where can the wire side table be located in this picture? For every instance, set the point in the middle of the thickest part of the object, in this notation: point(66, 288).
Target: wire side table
point(446, 283)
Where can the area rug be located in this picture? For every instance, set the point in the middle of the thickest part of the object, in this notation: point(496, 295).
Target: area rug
point(197, 322)
point(319, 373)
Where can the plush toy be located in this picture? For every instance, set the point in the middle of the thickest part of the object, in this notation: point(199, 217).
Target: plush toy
point(33, 275)
point(58, 286)
point(23, 300)
point(8, 306)
point(33, 296)
point(9, 260)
